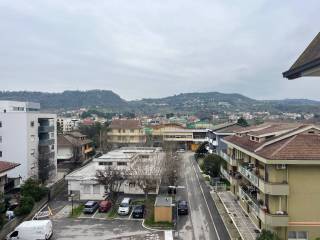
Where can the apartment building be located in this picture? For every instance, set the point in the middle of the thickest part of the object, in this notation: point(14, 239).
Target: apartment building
point(67, 124)
point(83, 182)
point(28, 137)
point(74, 146)
point(126, 132)
point(274, 173)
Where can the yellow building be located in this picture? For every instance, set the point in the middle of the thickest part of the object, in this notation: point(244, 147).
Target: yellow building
point(163, 209)
point(126, 132)
point(274, 172)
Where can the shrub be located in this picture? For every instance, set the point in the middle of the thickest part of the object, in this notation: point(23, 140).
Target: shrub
point(211, 165)
point(268, 235)
point(25, 205)
point(33, 189)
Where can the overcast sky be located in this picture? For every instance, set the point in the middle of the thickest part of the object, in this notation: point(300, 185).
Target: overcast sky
point(155, 48)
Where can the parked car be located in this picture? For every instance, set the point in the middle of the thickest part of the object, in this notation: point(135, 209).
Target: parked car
point(90, 207)
point(138, 211)
point(104, 206)
point(30, 230)
point(183, 208)
point(124, 207)
point(181, 150)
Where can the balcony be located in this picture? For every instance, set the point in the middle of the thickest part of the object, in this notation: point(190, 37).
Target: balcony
point(46, 155)
point(232, 178)
point(46, 142)
point(227, 158)
point(45, 129)
point(274, 220)
point(265, 187)
point(250, 199)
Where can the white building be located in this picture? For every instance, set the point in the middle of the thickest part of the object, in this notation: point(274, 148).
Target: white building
point(29, 138)
point(83, 182)
point(68, 124)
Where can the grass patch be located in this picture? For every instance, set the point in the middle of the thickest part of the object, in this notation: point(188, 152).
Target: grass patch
point(149, 217)
point(200, 163)
point(138, 202)
point(77, 211)
point(112, 213)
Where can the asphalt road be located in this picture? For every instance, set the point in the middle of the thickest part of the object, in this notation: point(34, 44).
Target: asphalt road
point(87, 229)
point(203, 221)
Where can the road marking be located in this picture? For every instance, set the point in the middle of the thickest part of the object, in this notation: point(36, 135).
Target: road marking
point(215, 228)
point(185, 178)
point(95, 213)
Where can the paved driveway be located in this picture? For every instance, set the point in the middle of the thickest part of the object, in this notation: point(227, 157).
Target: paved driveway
point(87, 229)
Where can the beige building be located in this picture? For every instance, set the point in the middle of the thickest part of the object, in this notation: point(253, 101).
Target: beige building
point(126, 132)
point(163, 209)
point(274, 171)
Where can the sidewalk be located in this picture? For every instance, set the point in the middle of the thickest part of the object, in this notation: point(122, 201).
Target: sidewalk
point(242, 222)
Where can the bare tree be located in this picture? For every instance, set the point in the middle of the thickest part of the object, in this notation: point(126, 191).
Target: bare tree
point(171, 168)
point(112, 180)
point(146, 172)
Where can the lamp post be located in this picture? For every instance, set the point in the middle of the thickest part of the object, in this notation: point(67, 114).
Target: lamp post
point(71, 196)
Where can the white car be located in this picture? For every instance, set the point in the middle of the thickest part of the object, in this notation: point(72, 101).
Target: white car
point(30, 230)
point(124, 207)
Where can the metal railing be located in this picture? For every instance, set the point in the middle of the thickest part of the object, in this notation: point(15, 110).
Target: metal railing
point(252, 202)
point(249, 175)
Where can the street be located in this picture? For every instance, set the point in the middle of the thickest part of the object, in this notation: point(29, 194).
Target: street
point(203, 221)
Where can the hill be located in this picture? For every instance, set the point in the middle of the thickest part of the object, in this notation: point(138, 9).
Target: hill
point(209, 102)
point(68, 99)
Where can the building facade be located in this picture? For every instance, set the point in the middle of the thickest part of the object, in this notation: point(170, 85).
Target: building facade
point(6, 184)
point(83, 182)
point(126, 132)
point(74, 146)
point(29, 138)
point(273, 172)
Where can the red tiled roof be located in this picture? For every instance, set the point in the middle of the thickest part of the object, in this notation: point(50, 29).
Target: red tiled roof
point(125, 124)
point(300, 146)
point(6, 166)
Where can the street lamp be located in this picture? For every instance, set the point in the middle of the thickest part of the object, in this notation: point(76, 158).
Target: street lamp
point(71, 196)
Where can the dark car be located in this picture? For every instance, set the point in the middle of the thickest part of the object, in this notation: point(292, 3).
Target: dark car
point(90, 207)
point(104, 206)
point(183, 208)
point(138, 211)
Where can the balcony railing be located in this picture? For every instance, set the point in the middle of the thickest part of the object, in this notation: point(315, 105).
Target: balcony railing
point(252, 202)
point(249, 175)
point(46, 142)
point(45, 129)
point(227, 158)
point(225, 174)
point(274, 220)
point(265, 187)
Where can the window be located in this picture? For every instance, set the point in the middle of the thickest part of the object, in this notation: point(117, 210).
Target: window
point(293, 235)
point(32, 138)
point(0, 124)
point(32, 123)
point(86, 189)
point(123, 130)
point(32, 152)
point(132, 131)
point(105, 163)
point(119, 138)
point(52, 147)
point(0, 153)
point(96, 189)
point(121, 163)
point(119, 130)
point(0, 139)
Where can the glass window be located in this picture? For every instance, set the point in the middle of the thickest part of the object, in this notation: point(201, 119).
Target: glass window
point(86, 189)
point(96, 189)
point(32, 123)
point(302, 235)
point(105, 163)
point(0, 124)
point(0, 139)
point(121, 163)
point(0, 153)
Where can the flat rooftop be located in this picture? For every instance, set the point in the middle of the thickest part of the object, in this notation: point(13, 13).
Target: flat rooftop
point(163, 201)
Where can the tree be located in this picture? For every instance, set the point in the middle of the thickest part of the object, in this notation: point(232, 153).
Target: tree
point(171, 165)
point(2, 209)
point(146, 172)
point(25, 205)
point(268, 235)
point(211, 165)
point(242, 122)
point(33, 189)
point(112, 180)
point(201, 151)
